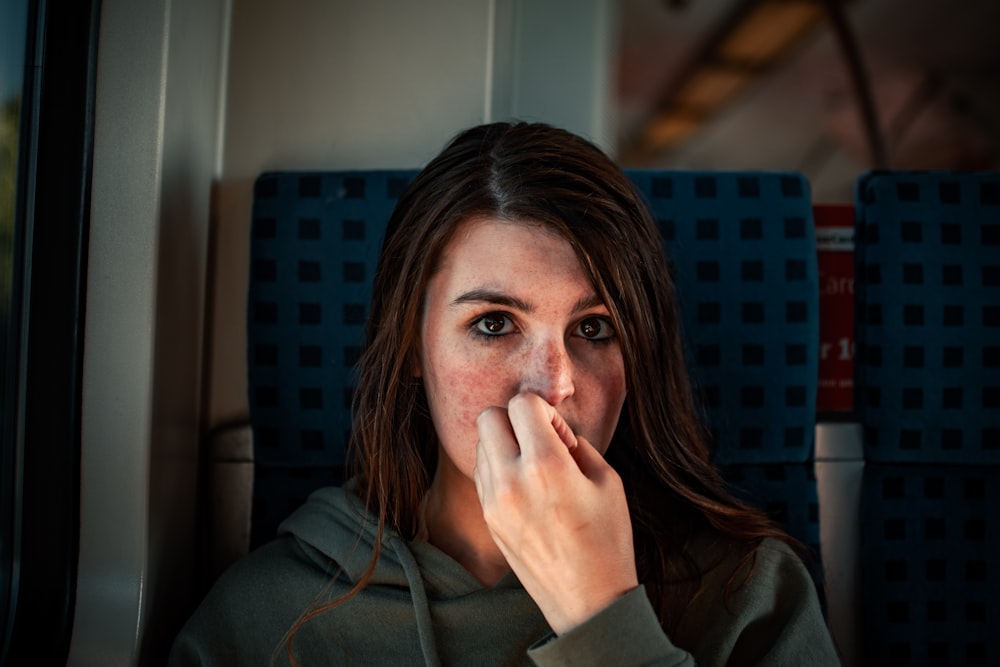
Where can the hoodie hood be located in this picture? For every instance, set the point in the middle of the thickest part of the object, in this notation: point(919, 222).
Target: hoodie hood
point(335, 523)
point(336, 532)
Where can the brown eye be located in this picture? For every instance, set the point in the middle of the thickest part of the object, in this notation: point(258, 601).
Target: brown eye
point(494, 324)
point(595, 328)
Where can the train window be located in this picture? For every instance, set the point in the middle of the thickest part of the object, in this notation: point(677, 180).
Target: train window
point(13, 34)
point(47, 56)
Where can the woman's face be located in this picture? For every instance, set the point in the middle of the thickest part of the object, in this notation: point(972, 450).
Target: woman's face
point(509, 311)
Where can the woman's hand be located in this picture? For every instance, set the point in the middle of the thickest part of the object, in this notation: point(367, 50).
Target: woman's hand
point(556, 510)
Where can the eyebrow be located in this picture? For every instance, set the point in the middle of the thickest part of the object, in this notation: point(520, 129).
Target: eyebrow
point(506, 300)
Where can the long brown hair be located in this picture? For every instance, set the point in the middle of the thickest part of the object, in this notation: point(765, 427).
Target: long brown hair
point(543, 175)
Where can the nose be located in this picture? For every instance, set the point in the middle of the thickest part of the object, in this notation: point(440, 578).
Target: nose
point(548, 371)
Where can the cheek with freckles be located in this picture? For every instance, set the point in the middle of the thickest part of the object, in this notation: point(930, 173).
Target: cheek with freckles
point(457, 393)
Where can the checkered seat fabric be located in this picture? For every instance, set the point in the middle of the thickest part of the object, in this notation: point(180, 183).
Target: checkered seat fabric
point(927, 262)
point(315, 239)
point(742, 250)
point(927, 394)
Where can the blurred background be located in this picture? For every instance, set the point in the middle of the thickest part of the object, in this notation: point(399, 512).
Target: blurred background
point(829, 88)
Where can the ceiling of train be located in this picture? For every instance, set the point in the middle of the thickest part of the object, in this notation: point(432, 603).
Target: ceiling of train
point(698, 86)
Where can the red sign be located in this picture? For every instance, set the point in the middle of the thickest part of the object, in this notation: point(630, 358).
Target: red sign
point(835, 245)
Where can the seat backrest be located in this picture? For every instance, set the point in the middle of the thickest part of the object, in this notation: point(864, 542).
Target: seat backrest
point(927, 392)
point(742, 250)
point(743, 253)
point(315, 240)
point(928, 302)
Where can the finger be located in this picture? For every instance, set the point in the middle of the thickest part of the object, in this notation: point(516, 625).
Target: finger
point(563, 430)
point(496, 435)
point(481, 473)
point(538, 427)
point(590, 461)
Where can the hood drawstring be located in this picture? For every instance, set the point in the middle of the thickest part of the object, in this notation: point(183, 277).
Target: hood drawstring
point(421, 607)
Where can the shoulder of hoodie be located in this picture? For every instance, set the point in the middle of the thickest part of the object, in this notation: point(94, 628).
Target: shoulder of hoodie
point(751, 605)
point(778, 567)
point(741, 582)
point(280, 569)
point(251, 606)
point(288, 563)
point(773, 566)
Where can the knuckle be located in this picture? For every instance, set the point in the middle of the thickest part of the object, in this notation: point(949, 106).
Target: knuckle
point(526, 403)
point(490, 416)
point(519, 402)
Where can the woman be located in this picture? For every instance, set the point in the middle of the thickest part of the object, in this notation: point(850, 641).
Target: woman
point(532, 482)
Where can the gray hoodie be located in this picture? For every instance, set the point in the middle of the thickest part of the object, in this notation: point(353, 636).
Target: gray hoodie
point(422, 608)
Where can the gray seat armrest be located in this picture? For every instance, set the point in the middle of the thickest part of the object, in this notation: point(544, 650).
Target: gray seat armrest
point(230, 463)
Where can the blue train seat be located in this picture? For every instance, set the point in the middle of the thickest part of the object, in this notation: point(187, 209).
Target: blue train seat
point(742, 249)
point(927, 393)
point(315, 239)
